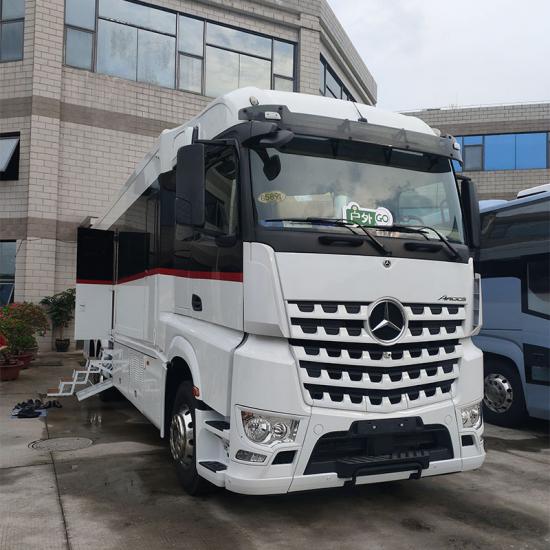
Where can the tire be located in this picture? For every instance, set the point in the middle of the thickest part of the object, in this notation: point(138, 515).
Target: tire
point(182, 442)
point(503, 401)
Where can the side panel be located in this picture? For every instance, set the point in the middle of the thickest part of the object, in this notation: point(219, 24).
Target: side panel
point(132, 289)
point(94, 280)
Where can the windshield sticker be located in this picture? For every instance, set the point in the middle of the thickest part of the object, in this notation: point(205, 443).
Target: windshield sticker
point(272, 196)
point(366, 216)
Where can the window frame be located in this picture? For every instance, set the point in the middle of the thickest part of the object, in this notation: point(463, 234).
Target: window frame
point(484, 151)
point(177, 52)
point(17, 20)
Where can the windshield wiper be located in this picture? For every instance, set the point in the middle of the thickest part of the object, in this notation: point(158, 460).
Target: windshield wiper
point(422, 231)
point(337, 222)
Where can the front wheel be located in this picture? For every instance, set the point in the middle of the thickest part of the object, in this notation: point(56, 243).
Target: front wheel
point(503, 402)
point(182, 442)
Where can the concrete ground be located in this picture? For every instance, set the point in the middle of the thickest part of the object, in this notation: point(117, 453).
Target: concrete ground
point(122, 492)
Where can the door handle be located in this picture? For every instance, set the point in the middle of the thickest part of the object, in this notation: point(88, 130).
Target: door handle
point(196, 303)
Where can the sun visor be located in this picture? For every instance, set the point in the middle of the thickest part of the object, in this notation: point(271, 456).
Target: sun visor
point(321, 126)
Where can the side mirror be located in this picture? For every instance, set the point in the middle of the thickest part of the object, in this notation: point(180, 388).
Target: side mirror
point(190, 186)
point(470, 207)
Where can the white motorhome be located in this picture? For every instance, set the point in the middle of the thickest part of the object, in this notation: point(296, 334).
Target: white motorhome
point(268, 294)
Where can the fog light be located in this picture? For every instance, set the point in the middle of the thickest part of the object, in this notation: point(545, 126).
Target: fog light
point(268, 429)
point(471, 416)
point(250, 457)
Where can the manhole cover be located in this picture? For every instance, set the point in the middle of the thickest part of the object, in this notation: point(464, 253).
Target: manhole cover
point(61, 444)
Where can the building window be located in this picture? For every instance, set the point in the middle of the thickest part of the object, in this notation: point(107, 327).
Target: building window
point(9, 157)
point(12, 17)
point(7, 271)
point(148, 44)
point(473, 152)
point(526, 151)
point(329, 83)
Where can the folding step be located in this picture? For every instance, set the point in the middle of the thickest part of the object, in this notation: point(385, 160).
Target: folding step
point(81, 377)
point(213, 465)
point(94, 389)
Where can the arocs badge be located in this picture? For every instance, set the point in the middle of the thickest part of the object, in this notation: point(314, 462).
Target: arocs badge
point(381, 217)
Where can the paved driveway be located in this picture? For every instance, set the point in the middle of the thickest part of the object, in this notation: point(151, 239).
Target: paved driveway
point(122, 492)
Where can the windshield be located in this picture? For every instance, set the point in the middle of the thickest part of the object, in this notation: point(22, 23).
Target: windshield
point(363, 183)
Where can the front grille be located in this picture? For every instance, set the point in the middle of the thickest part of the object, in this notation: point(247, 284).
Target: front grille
point(342, 366)
point(346, 321)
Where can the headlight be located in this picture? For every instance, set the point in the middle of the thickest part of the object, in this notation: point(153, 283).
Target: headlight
point(471, 416)
point(267, 429)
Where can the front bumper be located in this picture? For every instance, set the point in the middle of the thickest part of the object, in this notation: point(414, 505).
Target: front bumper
point(269, 478)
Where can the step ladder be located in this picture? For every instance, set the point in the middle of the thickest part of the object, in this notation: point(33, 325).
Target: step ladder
point(95, 377)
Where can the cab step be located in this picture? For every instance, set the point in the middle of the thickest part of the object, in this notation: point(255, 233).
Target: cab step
point(213, 465)
point(219, 425)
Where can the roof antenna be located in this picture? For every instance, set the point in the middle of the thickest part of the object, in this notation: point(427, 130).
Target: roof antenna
point(361, 117)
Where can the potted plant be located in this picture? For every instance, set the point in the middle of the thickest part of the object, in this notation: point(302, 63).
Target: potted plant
point(9, 367)
point(32, 321)
point(60, 309)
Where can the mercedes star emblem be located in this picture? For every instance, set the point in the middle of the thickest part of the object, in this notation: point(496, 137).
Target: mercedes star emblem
point(387, 321)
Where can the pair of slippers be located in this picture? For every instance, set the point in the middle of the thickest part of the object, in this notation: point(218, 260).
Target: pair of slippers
point(33, 408)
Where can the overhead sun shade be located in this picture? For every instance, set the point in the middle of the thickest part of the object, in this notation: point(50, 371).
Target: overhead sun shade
point(7, 149)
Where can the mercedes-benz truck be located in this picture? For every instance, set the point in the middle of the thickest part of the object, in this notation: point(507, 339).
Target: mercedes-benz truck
point(285, 288)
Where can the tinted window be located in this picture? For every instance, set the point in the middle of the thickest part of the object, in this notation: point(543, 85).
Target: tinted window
point(11, 41)
point(238, 40)
point(329, 83)
point(500, 152)
point(13, 9)
point(516, 225)
point(7, 271)
point(473, 157)
point(221, 191)
point(190, 73)
point(156, 61)
point(283, 58)
point(78, 49)
point(283, 84)
point(7, 259)
point(538, 285)
point(222, 71)
point(531, 151)
point(254, 72)
point(136, 14)
point(117, 50)
point(80, 13)
point(190, 35)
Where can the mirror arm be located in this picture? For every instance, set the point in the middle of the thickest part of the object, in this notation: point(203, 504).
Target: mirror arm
point(226, 141)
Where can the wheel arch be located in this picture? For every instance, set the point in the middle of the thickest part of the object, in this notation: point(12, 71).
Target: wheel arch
point(182, 365)
point(499, 348)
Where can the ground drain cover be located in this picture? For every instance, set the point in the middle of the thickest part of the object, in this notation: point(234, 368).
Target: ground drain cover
point(61, 444)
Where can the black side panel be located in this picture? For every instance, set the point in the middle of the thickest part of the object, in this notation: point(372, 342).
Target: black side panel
point(133, 254)
point(94, 256)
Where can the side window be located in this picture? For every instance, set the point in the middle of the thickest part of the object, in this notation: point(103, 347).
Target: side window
point(221, 214)
point(538, 286)
point(516, 225)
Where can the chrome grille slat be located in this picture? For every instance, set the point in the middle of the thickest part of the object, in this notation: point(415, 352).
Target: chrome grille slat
point(341, 366)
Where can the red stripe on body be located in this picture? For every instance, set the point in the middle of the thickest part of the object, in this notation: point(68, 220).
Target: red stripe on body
point(185, 273)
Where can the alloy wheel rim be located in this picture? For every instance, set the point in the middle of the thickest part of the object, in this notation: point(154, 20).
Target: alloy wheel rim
point(499, 394)
point(181, 437)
